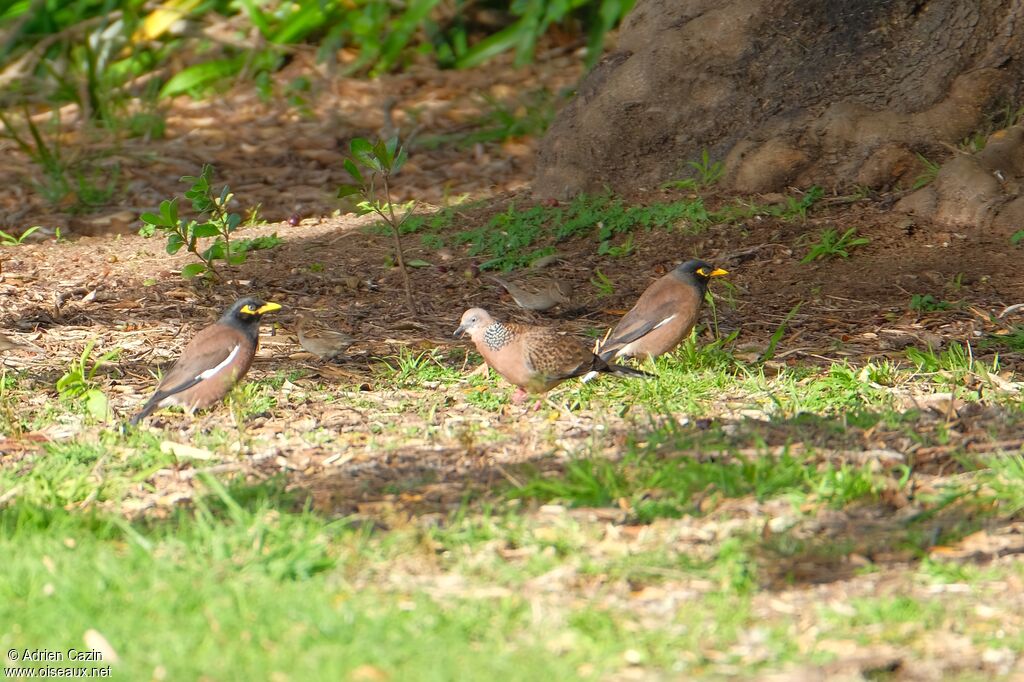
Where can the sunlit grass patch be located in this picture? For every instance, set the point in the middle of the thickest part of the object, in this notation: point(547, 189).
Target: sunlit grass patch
point(886, 618)
point(79, 473)
point(672, 476)
point(519, 236)
point(1001, 482)
point(250, 576)
point(410, 368)
point(243, 588)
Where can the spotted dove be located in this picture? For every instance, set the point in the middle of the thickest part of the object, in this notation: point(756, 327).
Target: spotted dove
point(533, 358)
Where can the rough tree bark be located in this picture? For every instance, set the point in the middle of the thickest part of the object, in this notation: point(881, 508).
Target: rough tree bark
point(799, 92)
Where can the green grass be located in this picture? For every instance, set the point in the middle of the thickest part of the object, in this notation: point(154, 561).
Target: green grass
point(519, 236)
point(794, 207)
point(689, 526)
point(928, 174)
point(411, 368)
point(926, 303)
point(1013, 340)
point(886, 616)
point(643, 527)
point(831, 244)
point(236, 587)
point(238, 597)
point(665, 475)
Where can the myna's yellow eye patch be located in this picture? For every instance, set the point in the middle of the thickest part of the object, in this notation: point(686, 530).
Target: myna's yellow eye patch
point(703, 272)
point(247, 309)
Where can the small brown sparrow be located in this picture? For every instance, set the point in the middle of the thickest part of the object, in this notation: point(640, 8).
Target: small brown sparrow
point(548, 294)
point(326, 344)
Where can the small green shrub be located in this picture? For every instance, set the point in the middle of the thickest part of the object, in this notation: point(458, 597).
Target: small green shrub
point(833, 245)
point(79, 382)
point(215, 222)
point(369, 164)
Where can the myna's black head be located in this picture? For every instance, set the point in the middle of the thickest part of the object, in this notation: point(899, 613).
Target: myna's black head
point(246, 312)
point(699, 272)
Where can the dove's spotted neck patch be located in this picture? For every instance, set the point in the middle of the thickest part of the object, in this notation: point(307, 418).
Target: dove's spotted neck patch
point(497, 336)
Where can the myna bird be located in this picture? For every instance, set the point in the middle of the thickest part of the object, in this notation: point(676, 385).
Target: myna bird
point(550, 293)
point(213, 361)
point(663, 315)
point(535, 359)
point(324, 343)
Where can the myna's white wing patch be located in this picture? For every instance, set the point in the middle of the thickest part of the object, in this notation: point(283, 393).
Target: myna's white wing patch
point(221, 365)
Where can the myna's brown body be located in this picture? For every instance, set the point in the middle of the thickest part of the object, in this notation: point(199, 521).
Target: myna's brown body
point(535, 359)
point(663, 315)
point(213, 361)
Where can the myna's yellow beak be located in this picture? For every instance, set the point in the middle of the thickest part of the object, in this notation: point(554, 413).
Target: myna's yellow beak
point(718, 272)
point(268, 308)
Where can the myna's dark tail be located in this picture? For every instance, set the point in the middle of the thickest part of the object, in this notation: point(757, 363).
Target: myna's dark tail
point(146, 410)
point(624, 371)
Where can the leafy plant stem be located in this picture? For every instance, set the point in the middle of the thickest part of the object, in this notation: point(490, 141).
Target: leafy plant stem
point(394, 223)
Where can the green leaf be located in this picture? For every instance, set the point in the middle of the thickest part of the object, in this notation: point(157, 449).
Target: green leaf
point(69, 380)
point(257, 17)
point(417, 263)
point(389, 148)
point(380, 152)
point(257, 243)
point(174, 243)
point(169, 212)
point(214, 252)
point(360, 146)
point(192, 270)
point(237, 258)
point(202, 75)
point(151, 219)
point(365, 153)
point(310, 17)
point(399, 160)
point(96, 404)
point(353, 170)
point(780, 331)
point(348, 190)
point(491, 46)
point(147, 230)
point(205, 230)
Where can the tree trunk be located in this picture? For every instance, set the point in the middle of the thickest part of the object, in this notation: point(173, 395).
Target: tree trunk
point(799, 92)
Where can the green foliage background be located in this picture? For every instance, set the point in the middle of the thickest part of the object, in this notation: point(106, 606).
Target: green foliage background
point(96, 52)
